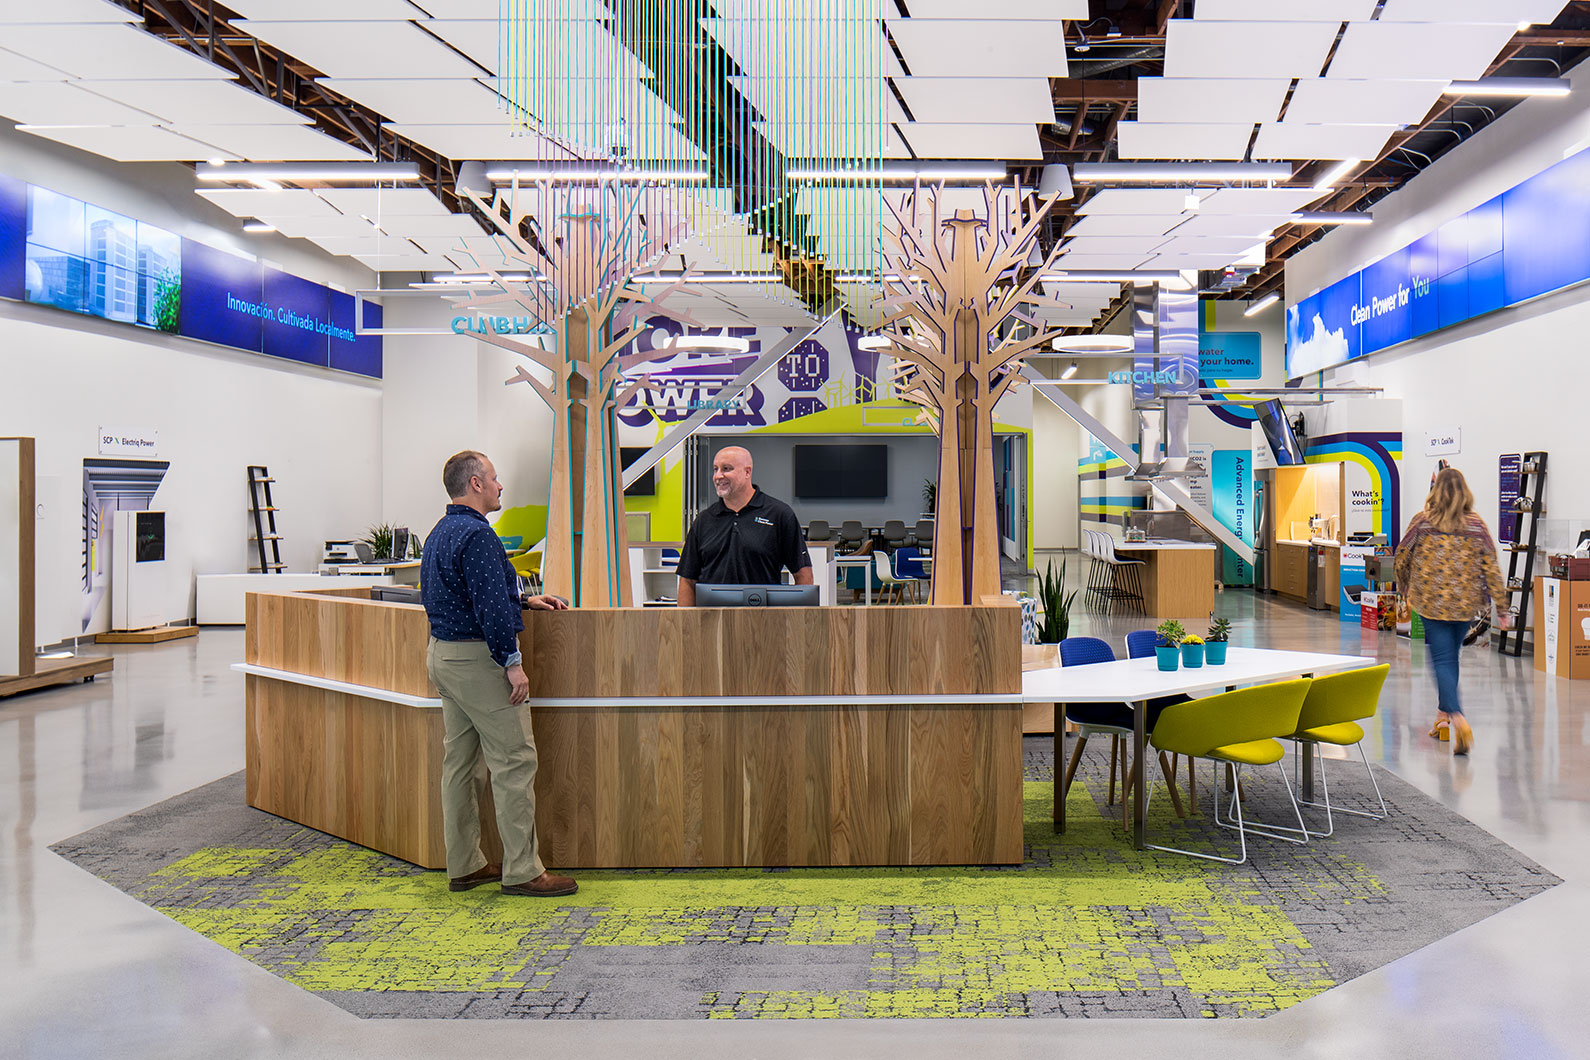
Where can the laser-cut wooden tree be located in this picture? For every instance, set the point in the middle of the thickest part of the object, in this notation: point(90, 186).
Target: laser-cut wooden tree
point(581, 247)
point(952, 281)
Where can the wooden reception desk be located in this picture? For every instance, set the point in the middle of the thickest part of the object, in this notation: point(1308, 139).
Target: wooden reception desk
point(666, 737)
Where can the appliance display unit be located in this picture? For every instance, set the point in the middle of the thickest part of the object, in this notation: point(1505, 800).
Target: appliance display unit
point(138, 571)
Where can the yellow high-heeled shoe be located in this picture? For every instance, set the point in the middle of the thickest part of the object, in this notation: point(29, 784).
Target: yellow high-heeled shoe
point(1441, 730)
point(1464, 740)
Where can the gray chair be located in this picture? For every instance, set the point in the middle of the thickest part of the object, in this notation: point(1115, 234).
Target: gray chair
point(819, 530)
point(894, 533)
point(922, 535)
point(851, 532)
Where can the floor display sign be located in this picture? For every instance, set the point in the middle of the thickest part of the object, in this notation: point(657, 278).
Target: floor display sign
point(1508, 467)
point(1550, 616)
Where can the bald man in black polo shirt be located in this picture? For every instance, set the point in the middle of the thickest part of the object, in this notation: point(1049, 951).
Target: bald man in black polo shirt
point(747, 538)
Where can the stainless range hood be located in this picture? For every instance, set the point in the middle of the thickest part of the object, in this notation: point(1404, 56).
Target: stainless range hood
point(1170, 467)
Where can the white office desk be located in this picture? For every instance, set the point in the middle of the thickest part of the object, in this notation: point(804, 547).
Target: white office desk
point(1136, 681)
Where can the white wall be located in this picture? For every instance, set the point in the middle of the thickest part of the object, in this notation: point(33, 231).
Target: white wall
point(1510, 381)
point(63, 376)
point(1054, 469)
point(445, 393)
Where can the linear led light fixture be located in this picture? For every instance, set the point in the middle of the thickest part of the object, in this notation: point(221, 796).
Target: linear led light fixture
point(898, 174)
point(1327, 182)
point(586, 174)
point(1179, 172)
point(318, 172)
point(1071, 370)
point(1511, 86)
point(873, 342)
point(726, 277)
point(1094, 344)
point(1332, 217)
point(1113, 276)
point(716, 343)
point(259, 226)
point(1262, 304)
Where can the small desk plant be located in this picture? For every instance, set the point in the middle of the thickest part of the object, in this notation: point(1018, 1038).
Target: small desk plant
point(1215, 641)
point(1167, 648)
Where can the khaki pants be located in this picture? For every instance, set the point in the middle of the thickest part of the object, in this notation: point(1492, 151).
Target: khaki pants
point(480, 722)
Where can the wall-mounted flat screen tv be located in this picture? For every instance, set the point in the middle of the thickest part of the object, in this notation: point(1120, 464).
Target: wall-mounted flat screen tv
point(1278, 432)
point(842, 472)
point(646, 485)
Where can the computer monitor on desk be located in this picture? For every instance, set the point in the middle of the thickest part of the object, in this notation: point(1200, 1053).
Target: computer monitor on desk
point(756, 595)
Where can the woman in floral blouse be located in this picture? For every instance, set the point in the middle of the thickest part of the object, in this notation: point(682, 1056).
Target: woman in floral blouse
point(1446, 565)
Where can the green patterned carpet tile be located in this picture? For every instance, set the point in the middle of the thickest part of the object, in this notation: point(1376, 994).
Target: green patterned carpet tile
point(1085, 927)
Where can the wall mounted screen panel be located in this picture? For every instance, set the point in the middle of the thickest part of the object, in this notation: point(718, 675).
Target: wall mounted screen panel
point(296, 328)
point(842, 472)
point(351, 351)
point(222, 298)
point(1530, 240)
point(13, 237)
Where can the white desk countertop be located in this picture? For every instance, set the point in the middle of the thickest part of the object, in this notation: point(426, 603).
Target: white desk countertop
point(1147, 546)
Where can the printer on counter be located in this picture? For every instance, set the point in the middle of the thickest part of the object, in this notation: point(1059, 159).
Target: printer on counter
point(337, 553)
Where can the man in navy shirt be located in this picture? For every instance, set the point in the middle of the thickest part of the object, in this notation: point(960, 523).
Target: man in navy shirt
point(471, 596)
point(747, 538)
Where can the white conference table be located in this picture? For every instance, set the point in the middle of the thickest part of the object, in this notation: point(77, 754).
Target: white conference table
point(1135, 682)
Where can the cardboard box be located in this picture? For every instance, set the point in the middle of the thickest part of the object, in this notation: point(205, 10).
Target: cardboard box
point(1378, 611)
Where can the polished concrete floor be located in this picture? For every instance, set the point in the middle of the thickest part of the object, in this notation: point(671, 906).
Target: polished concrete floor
point(90, 972)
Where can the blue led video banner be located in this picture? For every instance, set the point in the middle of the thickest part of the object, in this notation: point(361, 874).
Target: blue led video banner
point(1527, 241)
point(62, 252)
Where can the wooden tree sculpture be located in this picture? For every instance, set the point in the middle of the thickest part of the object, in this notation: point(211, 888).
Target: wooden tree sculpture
point(952, 281)
point(581, 247)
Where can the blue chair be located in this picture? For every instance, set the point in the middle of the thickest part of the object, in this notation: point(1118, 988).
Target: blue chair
point(1114, 719)
point(1140, 645)
point(908, 564)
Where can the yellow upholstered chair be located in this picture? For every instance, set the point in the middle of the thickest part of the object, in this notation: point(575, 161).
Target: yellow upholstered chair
point(1237, 729)
point(1331, 713)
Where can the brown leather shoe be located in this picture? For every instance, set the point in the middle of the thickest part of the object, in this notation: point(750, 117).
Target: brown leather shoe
point(490, 874)
point(545, 885)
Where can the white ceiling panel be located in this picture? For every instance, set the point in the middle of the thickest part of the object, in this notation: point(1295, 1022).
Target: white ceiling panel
point(968, 48)
point(976, 99)
point(276, 143)
point(1081, 295)
point(1338, 101)
point(363, 49)
point(448, 226)
point(1291, 10)
point(426, 102)
point(67, 11)
point(14, 67)
point(414, 263)
point(257, 202)
point(1182, 140)
point(1195, 48)
point(1233, 246)
point(1295, 140)
point(1099, 261)
point(371, 246)
point(1168, 201)
point(1418, 50)
point(999, 9)
point(1508, 11)
point(973, 140)
point(1255, 202)
point(1123, 224)
point(1190, 261)
point(385, 202)
point(63, 103)
point(1227, 224)
point(107, 52)
point(335, 227)
point(128, 143)
point(1199, 99)
point(588, 48)
point(320, 11)
point(482, 9)
point(205, 103)
point(1119, 246)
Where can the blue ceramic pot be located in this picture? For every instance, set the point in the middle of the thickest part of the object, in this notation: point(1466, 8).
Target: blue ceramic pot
point(1167, 656)
point(1192, 656)
point(1215, 652)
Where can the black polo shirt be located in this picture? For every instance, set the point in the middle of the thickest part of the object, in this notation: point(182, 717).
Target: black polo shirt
point(748, 547)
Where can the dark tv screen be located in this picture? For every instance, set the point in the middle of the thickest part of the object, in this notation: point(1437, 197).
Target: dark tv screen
point(842, 472)
point(646, 485)
point(1278, 432)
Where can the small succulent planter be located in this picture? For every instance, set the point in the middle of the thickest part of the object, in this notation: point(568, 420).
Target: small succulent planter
point(1168, 656)
point(1215, 652)
point(1192, 654)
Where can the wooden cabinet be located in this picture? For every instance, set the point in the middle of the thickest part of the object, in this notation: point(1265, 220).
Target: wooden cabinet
point(1289, 570)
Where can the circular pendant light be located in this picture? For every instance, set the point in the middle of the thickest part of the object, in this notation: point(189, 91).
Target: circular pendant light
point(1094, 344)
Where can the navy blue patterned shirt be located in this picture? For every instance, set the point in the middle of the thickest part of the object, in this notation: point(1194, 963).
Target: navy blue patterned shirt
point(470, 590)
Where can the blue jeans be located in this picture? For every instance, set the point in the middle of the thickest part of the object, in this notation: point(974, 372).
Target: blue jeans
point(1446, 641)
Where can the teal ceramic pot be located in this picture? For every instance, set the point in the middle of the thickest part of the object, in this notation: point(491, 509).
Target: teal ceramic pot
point(1167, 656)
point(1192, 656)
point(1215, 652)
